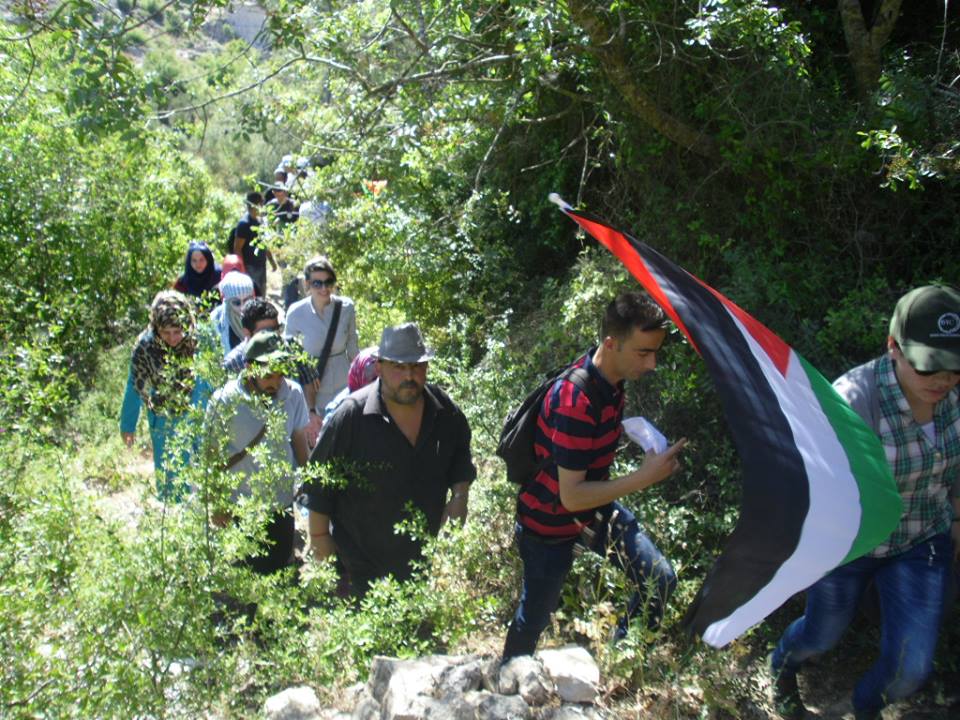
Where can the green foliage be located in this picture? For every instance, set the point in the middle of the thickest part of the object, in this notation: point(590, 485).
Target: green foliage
point(471, 113)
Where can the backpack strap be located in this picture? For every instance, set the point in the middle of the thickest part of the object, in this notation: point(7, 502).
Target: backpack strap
point(582, 380)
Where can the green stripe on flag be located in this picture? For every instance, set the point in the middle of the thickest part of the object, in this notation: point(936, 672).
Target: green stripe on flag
point(880, 502)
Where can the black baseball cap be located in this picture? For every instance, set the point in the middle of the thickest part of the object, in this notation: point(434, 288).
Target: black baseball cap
point(926, 326)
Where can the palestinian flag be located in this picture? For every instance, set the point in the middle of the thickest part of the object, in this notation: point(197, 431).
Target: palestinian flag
point(817, 489)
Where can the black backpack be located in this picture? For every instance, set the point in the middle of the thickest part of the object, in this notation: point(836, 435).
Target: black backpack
point(520, 428)
point(228, 245)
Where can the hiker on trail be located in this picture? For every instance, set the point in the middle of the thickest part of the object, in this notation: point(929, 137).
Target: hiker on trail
point(363, 371)
point(256, 314)
point(572, 500)
point(281, 207)
point(236, 288)
point(250, 247)
point(230, 264)
point(260, 314)
point(241, 439)
point(909, 396)
point(200, 277)
point(396, 450)
point(279, 178)
point(327, 327)
point(160, 377)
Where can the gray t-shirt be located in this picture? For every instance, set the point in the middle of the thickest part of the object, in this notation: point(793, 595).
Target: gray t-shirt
point(240, 416)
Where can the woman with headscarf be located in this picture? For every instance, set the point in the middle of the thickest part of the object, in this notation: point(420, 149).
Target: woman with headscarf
point(230, 263)
point(236, 288)
point(200, 276)
point(161, 378)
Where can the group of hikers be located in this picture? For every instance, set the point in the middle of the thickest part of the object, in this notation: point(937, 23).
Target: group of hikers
point(376, 439)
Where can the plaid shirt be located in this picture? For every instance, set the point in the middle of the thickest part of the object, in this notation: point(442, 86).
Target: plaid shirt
point(924, 471)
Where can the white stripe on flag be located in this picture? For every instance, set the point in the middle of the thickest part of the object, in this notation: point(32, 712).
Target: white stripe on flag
point(833, 519)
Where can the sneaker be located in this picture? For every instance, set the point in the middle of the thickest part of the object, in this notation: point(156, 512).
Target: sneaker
point(786, 695)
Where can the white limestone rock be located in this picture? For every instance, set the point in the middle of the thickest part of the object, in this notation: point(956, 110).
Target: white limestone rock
point(491, 706)
point(464, 674)
point(525, 676)
point(574, 672)
point(296, 703)
point(573, 712)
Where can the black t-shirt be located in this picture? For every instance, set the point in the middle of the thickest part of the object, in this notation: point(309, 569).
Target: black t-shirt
point(372, 478)
point(254, 252)
point(286, 213)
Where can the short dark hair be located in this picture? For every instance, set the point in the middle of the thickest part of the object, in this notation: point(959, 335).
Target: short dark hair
point(320, 263)
point(631, 310)
point(256, 309)
point(254, 198)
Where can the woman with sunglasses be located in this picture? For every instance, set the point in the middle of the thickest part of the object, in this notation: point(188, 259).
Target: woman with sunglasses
point(909, 397)
point(235, 288)
point(311, 319)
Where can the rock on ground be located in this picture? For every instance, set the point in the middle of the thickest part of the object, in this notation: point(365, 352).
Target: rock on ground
point(297, 703)
point(574, 671)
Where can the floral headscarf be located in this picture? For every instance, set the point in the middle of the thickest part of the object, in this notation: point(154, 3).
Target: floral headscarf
point(161, 374)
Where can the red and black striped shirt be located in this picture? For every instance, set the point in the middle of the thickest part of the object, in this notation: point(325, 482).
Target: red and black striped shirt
point(576, 436)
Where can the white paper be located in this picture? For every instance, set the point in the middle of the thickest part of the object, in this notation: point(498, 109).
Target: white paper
point(645, 434)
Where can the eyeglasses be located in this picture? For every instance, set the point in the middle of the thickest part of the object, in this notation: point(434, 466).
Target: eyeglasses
point(323, 283)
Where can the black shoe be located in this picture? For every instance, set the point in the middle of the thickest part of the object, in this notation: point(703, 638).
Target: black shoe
point(786, 696)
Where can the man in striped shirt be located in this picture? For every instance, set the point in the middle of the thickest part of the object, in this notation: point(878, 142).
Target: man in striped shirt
point(572, 499)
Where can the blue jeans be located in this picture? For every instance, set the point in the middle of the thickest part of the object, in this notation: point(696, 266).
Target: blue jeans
point(912, 589)
point(546, 564)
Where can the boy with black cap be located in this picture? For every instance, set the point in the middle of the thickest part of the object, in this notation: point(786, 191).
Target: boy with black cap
point(239, 419)
point(909, 397)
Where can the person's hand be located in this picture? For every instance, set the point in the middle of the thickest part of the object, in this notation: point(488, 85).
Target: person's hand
point(313, 429)
point(322, 546)
point(456, 509)
point(127, 439)
point(657, 467)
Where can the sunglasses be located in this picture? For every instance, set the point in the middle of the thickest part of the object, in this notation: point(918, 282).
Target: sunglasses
point(929, 373)
point(323, 283)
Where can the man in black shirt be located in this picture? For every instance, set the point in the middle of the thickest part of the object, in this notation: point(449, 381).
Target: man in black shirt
point(247, 245)
point(396, 450)
point(282, 207)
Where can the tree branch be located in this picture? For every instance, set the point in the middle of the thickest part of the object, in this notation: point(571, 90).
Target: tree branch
point(865, 44)
point(448, 69)
point(608, 47)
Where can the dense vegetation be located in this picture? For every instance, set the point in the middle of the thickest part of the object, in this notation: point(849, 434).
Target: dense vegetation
point(803, 158)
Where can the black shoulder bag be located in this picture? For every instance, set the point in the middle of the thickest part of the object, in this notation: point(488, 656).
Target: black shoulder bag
point(328, 343)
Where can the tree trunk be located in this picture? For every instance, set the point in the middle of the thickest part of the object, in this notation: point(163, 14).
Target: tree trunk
point(614, 61)
point(865, 44)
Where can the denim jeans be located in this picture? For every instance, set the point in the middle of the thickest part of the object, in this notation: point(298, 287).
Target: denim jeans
point(912, 589)
point(546, 564)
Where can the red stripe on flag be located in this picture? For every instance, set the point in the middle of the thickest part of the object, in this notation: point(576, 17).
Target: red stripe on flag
point(773, 346)
point(616, 243)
